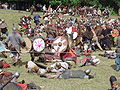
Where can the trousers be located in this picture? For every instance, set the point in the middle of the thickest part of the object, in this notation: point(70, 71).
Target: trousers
point(117, 61)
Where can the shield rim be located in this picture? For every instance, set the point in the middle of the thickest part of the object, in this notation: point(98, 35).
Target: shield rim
point(62, 39)
point(33, 43)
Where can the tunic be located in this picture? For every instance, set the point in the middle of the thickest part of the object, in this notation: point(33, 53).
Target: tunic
point(73, 74)
point(15, 40)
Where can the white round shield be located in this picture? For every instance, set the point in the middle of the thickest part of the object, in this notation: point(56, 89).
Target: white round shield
point(38, 44)
point(59, 44)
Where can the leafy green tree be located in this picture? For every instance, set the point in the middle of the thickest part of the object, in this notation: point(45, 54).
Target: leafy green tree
point(75, 2)
point(54, 2)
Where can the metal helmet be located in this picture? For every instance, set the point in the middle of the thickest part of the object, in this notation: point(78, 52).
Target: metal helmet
point(58, 64)
point(87, 71)
point(16, 74)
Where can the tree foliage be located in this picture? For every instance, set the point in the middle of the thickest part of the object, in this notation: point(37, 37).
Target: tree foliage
point(113, 4)
point(55, 2)
point(98, 3)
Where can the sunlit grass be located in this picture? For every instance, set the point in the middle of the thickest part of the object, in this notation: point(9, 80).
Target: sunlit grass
point(100, 82)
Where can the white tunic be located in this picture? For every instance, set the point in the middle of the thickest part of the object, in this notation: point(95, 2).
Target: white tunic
point(64, 66)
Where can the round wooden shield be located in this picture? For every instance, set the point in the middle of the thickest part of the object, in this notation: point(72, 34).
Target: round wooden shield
point(59, 44)
point(115, 33)
point(28, 45)
point(38, 44)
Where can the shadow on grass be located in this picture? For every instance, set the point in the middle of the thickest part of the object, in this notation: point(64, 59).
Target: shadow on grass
point(19, 64)
point(113, 66)
point(23, 63)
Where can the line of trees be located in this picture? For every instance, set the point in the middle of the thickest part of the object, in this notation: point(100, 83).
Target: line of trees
point(111, 4)
point(115, 4)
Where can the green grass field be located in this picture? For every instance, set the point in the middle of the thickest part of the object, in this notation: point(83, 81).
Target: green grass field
point(103, 71)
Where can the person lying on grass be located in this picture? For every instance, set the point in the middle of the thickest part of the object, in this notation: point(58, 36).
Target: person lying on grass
point(54, 68)
point(58, 70)
point(70, 74)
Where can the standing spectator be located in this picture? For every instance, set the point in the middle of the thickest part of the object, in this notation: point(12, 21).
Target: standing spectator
point(44, 9)
point(6, 5)
point(99, 12)
point(32, 9)
point(0, 5)
point(36, 19)
point(50, 9)
point(119, 11)
point(3, 27)
point(38, 7)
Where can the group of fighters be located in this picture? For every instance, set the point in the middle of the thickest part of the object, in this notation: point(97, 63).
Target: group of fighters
point(62, 37)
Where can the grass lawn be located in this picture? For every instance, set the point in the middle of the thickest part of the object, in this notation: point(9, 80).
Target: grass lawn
point(103, 71)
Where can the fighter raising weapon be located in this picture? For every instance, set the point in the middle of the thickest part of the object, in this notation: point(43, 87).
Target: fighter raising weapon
point(16, 43)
